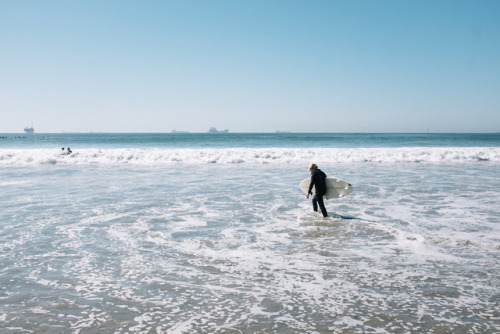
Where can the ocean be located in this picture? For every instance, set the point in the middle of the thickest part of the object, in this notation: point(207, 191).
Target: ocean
point(210, 233)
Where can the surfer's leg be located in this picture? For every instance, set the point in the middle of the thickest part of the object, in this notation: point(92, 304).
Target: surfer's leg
point(315, 204)
point(322, 205)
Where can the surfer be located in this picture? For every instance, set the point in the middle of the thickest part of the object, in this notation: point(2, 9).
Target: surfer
point(318, 178)
point(68, 152)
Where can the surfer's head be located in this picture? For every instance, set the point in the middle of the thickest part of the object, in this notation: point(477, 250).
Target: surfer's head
point(313, 167)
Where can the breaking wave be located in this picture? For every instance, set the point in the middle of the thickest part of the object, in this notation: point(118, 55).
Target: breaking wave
point(160, 156)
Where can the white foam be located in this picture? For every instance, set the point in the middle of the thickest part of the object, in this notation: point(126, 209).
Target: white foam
point(156, 156)
point(138, 249)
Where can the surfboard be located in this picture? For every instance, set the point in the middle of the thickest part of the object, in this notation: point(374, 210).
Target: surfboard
point(335, 188)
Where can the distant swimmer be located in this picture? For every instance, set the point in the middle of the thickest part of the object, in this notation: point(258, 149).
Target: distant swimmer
point(318, 178)
point(66, 152)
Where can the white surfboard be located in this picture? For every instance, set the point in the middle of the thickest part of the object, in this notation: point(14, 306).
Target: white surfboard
point(335, 188)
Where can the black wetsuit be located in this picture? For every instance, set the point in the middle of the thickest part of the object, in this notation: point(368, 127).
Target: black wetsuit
point(318, 179)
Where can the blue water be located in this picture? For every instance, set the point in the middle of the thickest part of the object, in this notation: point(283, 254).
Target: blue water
point(209, 233)
point(250, 140)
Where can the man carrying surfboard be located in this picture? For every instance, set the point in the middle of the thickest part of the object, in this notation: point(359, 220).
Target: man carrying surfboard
point(318, 178)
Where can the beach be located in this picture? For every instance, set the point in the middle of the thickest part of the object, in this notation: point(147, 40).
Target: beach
point(166, 234)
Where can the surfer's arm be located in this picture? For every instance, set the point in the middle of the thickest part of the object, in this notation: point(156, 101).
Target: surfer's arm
point(311, 184)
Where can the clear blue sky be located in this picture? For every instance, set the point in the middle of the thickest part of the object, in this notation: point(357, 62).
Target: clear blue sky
point(250, 66)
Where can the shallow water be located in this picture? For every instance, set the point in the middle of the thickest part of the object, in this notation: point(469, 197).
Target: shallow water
point(236, 248)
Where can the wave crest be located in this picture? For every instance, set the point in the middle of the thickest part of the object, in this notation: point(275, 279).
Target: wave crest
point(155, 156)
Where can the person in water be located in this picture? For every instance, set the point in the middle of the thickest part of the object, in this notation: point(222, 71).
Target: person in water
point(318, 180)
point(67, 152)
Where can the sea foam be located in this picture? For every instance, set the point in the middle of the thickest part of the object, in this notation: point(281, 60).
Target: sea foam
point(163, 156)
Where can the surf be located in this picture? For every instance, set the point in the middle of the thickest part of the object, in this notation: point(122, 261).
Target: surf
point(246, 156)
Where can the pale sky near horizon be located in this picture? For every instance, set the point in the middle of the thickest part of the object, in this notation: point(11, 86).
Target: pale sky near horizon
point(250, 66)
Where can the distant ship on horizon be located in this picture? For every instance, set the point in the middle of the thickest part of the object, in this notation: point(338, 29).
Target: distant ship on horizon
point(29, 129)
point(214, 130)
